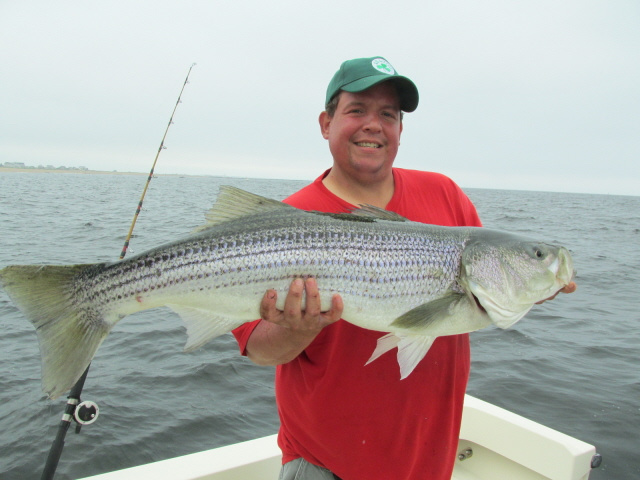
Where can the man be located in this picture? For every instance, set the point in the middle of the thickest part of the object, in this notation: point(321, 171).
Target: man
point(339, 418)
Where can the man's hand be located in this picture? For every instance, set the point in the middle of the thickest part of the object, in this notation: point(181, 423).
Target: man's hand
point(310, 320)
point(570, 288)
point(284, 334)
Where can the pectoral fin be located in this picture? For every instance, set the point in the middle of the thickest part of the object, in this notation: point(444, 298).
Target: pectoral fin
point(202, 325)
point(411, 349)
point(421, 317)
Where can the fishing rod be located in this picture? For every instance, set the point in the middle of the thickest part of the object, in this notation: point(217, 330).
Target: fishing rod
point(160, 148)
point(85, 413)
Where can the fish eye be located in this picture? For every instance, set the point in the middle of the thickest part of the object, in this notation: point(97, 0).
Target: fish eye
point(539, 253)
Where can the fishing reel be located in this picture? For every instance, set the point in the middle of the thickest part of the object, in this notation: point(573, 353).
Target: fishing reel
point(85, 413)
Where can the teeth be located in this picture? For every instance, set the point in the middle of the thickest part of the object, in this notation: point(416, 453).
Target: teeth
point(368, 144)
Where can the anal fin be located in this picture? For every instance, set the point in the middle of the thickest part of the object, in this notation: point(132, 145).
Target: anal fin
point(202, 325)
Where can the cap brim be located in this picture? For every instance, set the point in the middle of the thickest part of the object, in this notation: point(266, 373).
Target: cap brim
point(407, 91)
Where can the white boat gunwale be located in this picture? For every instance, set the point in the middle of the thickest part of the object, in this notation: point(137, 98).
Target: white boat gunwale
point(504, 445)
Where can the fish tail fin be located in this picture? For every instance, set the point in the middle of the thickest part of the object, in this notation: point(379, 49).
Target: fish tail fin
point(68, 334)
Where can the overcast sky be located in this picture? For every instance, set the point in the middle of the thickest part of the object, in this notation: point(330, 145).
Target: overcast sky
point(515, 94)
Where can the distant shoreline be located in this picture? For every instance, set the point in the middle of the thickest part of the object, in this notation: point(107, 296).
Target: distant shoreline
point(65, 170)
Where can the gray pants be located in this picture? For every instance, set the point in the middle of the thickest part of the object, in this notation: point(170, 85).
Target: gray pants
point(300, 469)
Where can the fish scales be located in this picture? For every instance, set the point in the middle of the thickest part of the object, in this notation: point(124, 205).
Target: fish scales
point(393, 264)
point(412, 280)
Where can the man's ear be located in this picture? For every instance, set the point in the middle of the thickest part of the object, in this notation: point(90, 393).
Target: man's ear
point(325, 120)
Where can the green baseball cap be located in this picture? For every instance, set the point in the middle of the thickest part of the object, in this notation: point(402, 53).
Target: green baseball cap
point(361, 73)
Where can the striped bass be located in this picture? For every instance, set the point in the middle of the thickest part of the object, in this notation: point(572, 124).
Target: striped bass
point(414, 281)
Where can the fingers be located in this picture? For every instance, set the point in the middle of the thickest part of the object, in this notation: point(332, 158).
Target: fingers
point(313, 306)
point(293, 301)
point(337, 306)
point(268, 310)
point(572, 287)
point(295, 315)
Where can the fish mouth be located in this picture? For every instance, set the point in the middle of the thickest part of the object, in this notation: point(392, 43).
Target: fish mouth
point(563, 266)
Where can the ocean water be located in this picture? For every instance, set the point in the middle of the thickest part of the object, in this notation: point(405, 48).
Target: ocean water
point(572, 364)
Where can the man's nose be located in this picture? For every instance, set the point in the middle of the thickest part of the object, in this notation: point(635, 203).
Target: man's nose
point(372, 123)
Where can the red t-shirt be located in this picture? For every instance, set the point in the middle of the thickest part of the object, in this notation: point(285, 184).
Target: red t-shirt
point(363, 422)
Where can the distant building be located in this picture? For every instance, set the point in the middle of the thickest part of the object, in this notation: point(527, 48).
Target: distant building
point(14, 165)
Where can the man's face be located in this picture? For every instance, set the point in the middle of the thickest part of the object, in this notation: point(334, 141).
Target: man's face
point(364, 132)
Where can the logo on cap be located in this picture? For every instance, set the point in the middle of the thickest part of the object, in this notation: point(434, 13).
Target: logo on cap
point(383, 66)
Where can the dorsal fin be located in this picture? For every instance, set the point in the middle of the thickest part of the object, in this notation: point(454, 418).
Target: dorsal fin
point(377, 212)
point(365, 213)
point(233, 202)
point(348, 217)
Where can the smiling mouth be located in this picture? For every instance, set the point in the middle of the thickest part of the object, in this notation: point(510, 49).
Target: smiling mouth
point(368, 144)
